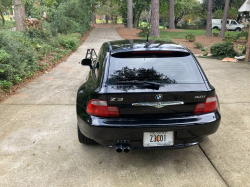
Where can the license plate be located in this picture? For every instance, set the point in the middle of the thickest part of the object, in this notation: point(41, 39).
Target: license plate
point(155, 139)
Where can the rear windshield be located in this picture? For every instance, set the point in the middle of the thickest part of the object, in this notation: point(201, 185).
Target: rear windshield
point(165, 70)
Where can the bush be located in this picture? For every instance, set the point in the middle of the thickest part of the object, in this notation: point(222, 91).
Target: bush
point(5, 85)
point(229, 38)
point(144, 31)
point(190, 37)
point(224, 49)
point(241, 35)
point(70, 41)
point(242, 48)
point(199, 45)
point(17, 58)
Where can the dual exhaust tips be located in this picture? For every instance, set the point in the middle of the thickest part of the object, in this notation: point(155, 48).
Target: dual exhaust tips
point(119, 148)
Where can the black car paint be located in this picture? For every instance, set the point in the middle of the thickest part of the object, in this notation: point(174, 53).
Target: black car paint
point(188, 129)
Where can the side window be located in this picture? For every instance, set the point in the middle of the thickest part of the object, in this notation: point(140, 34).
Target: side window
point(101, 76)
point(233, 23)
point(100, 64)
point(227, 22)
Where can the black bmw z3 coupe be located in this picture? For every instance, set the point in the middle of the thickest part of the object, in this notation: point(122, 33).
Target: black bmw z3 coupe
point(145, 95)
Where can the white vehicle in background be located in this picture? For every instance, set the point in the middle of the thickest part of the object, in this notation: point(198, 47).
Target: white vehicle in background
point(231, 25)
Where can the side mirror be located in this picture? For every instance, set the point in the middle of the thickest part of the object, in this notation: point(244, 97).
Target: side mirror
point(87, 62)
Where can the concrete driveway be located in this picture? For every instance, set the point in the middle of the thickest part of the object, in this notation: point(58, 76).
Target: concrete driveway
point(39, 146)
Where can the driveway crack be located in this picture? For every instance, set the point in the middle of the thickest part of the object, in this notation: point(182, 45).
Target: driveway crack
point(214, 166)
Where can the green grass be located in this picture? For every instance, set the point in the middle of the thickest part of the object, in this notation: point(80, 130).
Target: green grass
point(144, 24)
point(7, 17)
point(98, 21)
point(181, 35)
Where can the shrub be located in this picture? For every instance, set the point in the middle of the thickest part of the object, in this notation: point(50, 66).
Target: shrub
point(242, 48)
point(5, 85)
point(242, 34)
point(224, 49)
point(190, 37)
point(144, 31)
point(199, 45)
point(70, 41)
point(229, 38)
point(18, 58)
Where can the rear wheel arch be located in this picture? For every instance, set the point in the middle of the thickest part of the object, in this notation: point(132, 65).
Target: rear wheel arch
point(238, 29)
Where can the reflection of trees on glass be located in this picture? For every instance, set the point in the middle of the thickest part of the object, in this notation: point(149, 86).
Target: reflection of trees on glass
point(141, 74)
point(135, 87)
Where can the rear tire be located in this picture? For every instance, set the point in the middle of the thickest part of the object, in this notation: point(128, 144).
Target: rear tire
point(238, 29)
point(83, 139)
point(217, 28)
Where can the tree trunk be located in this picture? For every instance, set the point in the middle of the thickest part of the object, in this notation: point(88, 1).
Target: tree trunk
point(224, 21)
point(171, 14)
point(209, 18)
point(130, 14)
point(1, 13)
point(107, 19)
point(19, 15)
point(137, 18)
point(155, 18)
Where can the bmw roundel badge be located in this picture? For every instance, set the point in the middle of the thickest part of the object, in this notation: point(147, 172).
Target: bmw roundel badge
point(158, 97)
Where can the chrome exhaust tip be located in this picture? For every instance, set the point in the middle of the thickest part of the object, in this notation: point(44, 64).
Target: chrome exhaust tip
point(126, 148)
point(118, 148)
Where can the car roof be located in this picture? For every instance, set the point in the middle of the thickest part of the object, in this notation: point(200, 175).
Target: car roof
point(142, 45)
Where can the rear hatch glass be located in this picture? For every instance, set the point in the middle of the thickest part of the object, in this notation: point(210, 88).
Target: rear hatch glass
point(165, 68)
point(151, 83)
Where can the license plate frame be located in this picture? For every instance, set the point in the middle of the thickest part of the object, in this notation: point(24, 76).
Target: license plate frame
point(157, 139)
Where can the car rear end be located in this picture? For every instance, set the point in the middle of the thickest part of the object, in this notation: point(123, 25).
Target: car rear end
point(152, 99)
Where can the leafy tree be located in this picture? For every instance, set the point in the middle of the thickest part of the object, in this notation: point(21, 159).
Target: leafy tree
point(232, 13)
point(5, 5)
point(220, 4)
point(188, 9)
point(139, 7)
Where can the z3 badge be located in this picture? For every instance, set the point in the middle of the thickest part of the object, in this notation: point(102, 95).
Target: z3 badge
point(116, 99)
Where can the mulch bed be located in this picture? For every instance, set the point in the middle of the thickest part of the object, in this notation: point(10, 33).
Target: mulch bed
point(14, 89)
point(126, 33)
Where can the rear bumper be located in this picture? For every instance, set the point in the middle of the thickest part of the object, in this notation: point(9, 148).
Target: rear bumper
point(111, 131)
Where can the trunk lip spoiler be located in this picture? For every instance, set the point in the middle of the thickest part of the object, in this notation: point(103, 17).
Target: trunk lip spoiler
point(158, 104)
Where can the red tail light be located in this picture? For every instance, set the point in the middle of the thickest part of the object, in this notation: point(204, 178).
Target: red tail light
point(102, 109)
point(209, 105)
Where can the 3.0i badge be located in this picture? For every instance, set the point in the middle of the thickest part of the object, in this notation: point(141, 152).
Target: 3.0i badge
point(158, 97)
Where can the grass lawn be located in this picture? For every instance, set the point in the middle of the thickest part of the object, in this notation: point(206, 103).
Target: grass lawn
point(181, 35)
point(7, 17)
point(98, 21)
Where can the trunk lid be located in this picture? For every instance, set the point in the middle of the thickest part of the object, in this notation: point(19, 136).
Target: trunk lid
point(169, 100)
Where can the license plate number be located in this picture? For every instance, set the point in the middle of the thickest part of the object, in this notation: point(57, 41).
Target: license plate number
point(155, 139)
